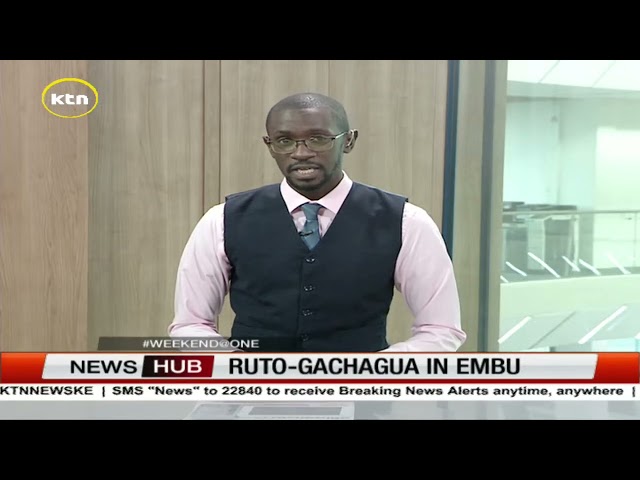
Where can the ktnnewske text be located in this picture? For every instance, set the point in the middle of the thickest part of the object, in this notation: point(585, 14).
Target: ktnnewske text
point(317, 392)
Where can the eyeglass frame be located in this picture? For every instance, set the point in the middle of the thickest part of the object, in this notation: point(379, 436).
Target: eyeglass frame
point(333, 138)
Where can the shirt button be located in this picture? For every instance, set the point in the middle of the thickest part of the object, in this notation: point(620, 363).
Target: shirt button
point(306, 313)
point(310, 260)
point(308, 288)
point(304, 338)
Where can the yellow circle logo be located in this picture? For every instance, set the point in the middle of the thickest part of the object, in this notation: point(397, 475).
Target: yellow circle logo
point(69, 99)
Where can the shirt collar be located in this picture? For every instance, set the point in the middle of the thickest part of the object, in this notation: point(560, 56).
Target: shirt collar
point(331, 201)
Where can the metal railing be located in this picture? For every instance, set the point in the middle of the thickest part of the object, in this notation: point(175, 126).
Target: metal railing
point(549, 244)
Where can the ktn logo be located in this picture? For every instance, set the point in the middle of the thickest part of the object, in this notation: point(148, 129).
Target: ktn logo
point(70, 98)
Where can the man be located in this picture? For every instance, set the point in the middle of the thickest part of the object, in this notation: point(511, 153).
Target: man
point(310, 264)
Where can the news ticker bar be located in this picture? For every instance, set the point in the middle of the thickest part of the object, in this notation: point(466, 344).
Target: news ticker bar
point(317, 368)
point(293, 392)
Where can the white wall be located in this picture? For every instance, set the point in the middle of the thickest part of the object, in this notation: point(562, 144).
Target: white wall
point(532, 149)
point(552, 154)
point(583, 152)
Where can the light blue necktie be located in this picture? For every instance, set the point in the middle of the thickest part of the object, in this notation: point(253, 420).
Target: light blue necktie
point(311, 231)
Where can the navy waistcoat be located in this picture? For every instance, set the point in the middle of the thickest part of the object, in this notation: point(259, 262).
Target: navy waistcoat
point(333, 299)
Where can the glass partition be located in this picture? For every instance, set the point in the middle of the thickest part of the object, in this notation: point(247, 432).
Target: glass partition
point(570, 279)
point(570, 276)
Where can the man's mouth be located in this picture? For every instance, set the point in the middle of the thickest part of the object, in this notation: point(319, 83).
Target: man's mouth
point(304, 168)
point(307, 172)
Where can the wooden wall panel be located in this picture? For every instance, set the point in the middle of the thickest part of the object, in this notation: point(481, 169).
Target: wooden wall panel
point(399, 108)
point(248, 88)
point(43, 213)
point(477, 235)
point(146, 190)
point(96, 211)
point(467, 228)
point(211, 131)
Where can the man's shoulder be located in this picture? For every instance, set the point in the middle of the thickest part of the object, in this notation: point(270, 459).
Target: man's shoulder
point(256, 200)
point(414, 211)
point(418, 217)
point(377, 191)
point(268, 190)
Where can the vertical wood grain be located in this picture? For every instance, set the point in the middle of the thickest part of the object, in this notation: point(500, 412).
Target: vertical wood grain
point(477, 236)
point(399, 108)
point(211, 132)
point(146, 190)
point(248, 89)
point(43, 213)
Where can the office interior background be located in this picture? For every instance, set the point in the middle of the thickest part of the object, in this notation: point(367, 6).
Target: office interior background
point(528, 167)
point(571, 251)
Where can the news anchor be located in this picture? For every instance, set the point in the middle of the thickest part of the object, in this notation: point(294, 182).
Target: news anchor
point(310, 264)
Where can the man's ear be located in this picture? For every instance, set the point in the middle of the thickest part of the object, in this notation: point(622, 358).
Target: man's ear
point(352, 136)
point(266, 141)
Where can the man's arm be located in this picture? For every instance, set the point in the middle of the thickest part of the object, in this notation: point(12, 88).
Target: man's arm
point(203, 279)
point(424, 275)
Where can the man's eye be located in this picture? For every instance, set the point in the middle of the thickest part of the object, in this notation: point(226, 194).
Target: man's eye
point(319, 140)
point(284, 141)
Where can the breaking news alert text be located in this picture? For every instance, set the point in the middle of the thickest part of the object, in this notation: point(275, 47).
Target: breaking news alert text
point(306, 392)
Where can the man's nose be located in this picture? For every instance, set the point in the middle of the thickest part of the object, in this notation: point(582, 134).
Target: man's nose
point(302, 152)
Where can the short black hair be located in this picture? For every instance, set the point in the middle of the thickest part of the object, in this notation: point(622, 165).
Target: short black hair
point(312, 100)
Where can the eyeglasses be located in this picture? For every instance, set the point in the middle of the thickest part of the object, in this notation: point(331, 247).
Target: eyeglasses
point(317, 143)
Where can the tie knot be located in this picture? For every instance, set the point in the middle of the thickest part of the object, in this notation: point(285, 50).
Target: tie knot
point(311, 210)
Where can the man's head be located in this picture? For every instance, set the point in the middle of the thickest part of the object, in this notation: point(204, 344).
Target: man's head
point(307, 135)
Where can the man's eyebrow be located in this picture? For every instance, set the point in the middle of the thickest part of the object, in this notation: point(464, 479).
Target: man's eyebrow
point(312, 131)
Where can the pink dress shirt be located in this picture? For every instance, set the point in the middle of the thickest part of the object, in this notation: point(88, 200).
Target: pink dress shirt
point(424, 274)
